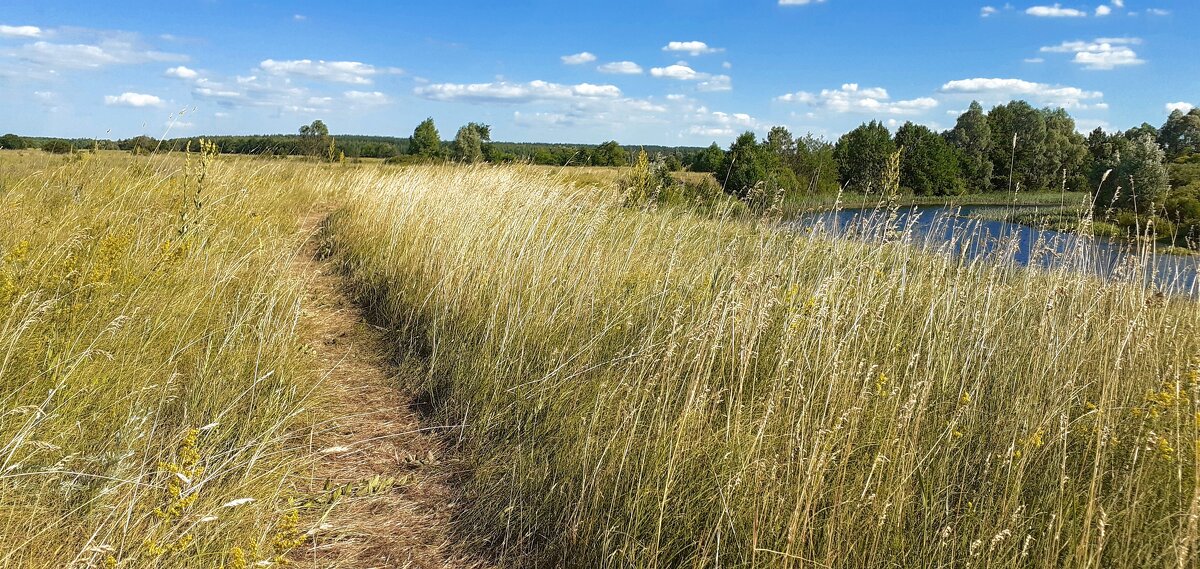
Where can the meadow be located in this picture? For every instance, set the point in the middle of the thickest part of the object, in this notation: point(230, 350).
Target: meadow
point(627, 386)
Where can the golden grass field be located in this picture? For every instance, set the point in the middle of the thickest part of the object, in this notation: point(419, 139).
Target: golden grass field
point(629, 387)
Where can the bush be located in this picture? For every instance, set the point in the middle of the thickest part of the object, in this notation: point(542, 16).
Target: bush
point(58, 147)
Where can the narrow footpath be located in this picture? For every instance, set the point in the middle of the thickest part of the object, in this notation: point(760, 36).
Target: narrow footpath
point(385, 472)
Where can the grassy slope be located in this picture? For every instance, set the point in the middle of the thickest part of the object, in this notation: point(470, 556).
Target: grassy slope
point(143, 299)
point(662, 390)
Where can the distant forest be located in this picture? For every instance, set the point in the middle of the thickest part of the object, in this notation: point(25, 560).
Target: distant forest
point(1148, 170)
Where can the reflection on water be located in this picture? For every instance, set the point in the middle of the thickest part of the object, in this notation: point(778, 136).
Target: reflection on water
point(956, 231)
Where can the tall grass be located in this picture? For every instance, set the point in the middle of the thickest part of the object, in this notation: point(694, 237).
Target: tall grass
point(657, 389)
point(152, 392)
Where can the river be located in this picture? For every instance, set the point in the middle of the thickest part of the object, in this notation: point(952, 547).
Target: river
point(960, 231)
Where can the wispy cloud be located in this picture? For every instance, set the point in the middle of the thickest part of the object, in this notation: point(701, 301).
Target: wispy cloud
point(514, 93)
point(578, 58)
point(1101, 53)
point(996, 90)
point(621, 68)
point(353, 72)
point(851, 98)
point(20, 31)
point(1055, 11)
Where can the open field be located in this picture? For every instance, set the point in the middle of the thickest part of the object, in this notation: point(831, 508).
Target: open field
point(665, 390)
point(614, 386)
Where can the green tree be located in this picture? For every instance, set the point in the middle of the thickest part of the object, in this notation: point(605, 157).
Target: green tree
point(314, 138)
point(972, 136)
point(1181, 133)
point(709, 159)
point(1137, 177)
point(862, 157)
point(1066, 150)
point(928, 164)
point(610, 154)
point(426, 142)
point(57, 146)
point(12, 142)
point(815, 165)
point(1018, 148)
point(780, 141)
point(468, 143)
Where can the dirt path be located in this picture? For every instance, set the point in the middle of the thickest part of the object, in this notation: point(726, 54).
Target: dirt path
point(376, 433)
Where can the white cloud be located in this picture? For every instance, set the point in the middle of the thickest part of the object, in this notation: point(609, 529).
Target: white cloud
point(799, 2)
point(91, 56)
point(996, 90)
point(678, 71)
point(505, 92)
point(1180, 106)
point(1055, 11)
point(299, 17)
point(716, 123)
point(621, 68)
point(716, 83)
point(691, 47)
point(987, 11)
point(850, 98)
point(352, 72)
point(20, 31)
point(128, 99)
point(578, 58)
point(182, 72)
point(1034, 60)
point(1101, 53)
point(1103, 10)
point(1158, 12)
point(366, 98)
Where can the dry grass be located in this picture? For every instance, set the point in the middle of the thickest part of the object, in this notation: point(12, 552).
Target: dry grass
point(155, 398)
point(642, 389)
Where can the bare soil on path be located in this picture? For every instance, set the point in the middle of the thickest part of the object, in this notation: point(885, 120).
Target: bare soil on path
point(375, 436)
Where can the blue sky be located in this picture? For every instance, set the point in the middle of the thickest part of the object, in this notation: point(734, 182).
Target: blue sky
point(671, 72)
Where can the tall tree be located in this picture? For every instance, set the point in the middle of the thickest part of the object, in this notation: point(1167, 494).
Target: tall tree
point(1181, 133)
point(973, 137)
point(1066, 150)
point(709, 159)
point(1137, 174)
point(12, 142)
point(610, 154)
point(862, 156)
point(928, 164)
point(815, 166)
point(314, 137)
point(468, 143)
point(1018, 148)
point(426, 141)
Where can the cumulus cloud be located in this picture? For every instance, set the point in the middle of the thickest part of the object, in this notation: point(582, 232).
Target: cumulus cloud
point(578, 58)
point(1101, 53)
point(1180, 106)
point(353, 72)
point(182, 72)
point(799, 2)
point(987, 11)
point(506, 92)
point(1055, 11)
point(1002, 90)
point(691, 48)
point(129, 99)
point(1103, 10)
point(678, 71)
point(621, 68)
point(20, 31)
point(851, 98)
